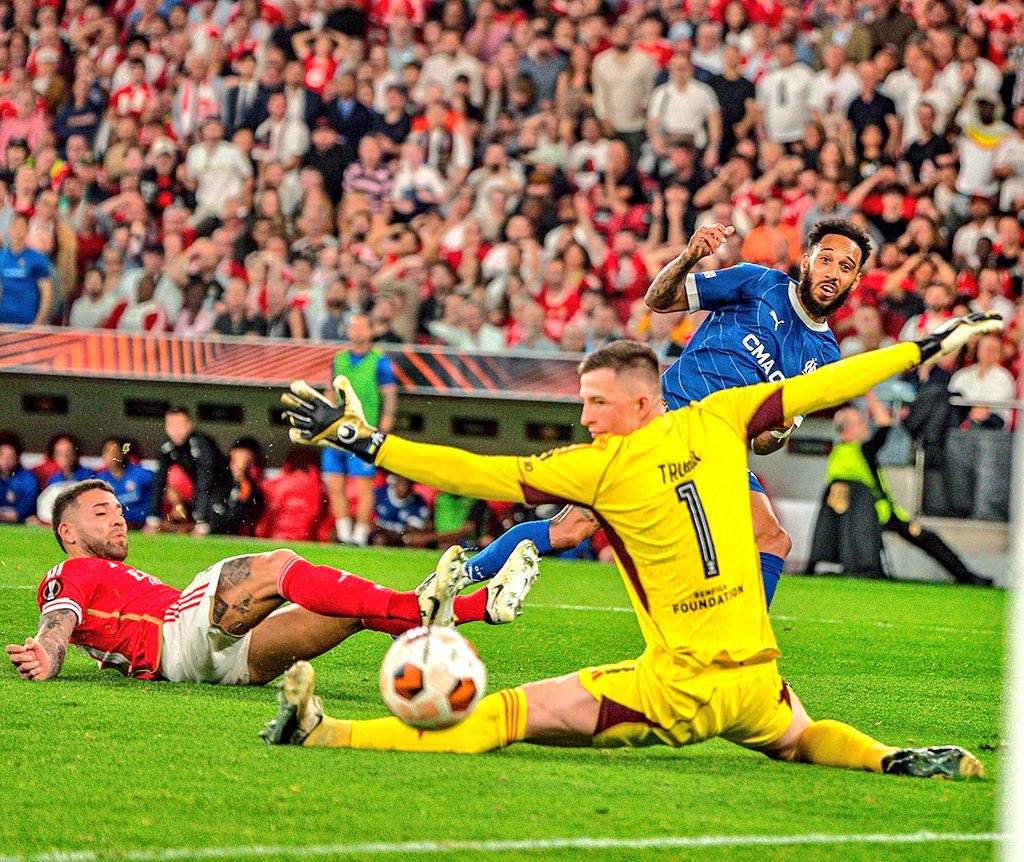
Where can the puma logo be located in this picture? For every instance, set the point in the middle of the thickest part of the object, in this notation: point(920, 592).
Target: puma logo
point(775, 317)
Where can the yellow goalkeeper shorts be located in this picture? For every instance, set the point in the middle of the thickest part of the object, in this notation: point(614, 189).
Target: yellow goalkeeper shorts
point(748, 705)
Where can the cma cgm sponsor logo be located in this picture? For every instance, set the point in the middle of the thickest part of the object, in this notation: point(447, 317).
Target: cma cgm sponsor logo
point(53, 589)
point(763, 358)
point(705, 599)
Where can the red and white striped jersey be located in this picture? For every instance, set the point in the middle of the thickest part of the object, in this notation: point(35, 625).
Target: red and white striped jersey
point(120, 611)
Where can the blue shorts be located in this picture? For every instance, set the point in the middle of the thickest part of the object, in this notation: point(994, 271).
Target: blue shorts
point(345, 463)
point(754, 484)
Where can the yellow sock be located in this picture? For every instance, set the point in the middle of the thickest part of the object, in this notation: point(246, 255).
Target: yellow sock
point(498, 721)
point(832, 743)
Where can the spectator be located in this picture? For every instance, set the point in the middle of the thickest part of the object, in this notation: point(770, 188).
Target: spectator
point(92, 309)
point(469, 330)
point(374, 382)
point(191, 476)
point(241, 510)
point(417, 187)
point(736, 98)
point(871, 108)
point(26, 291)
point(214, 171)
point(236, 319)
point(197, 317)
point(760, 245)
point(977, 455)
point(687, 109)
point(938, 305)
point(347, 114)
point(983, 134)
point(542, 65)
point(197, 101)
point(240, 99)
point(783, 97)
point(132, 483)
point(371, 177)
point(847, 32)
point(985, 381)
point(442, 67)
point(623, 78)
point(279, 138)
point(402, 517)
point(141, 313)
point(868, 333)
point(294, 499)
point(65, 451)
point(990, 296)
point(18, 487)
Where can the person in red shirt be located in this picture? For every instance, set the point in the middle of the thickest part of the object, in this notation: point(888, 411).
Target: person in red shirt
point(228, 626)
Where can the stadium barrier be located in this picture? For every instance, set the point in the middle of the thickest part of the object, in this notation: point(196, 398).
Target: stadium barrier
point(103, 383)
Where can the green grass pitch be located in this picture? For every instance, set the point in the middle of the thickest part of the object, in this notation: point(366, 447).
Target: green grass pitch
point(103, 767)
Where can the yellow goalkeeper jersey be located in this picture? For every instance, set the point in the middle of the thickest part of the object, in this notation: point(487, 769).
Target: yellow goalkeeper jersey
point(674, 501)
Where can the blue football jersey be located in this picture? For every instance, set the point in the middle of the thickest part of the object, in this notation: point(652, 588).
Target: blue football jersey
point(133, 491)
point(756, 331)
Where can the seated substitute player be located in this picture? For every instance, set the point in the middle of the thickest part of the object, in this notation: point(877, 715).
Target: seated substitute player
point(228, 625)
point(670, 490)
point(762, 327)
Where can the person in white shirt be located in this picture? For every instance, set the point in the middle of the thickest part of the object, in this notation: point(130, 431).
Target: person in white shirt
point(278, 138)
point(833, 88)
point(588, 157)
point(93, 307)
point(417, 186)
point(922, 87)
point(472, 331)
point(443, 66)
point(708, 47)
point(987, 76)
point(623, 78)
point(782, 97)
point(1010, 166)
point(685, 107)
point(215, 170)
point(990, 296)
point(986, 380)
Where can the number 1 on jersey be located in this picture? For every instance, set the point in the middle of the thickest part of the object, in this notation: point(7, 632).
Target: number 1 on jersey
point(687, 493)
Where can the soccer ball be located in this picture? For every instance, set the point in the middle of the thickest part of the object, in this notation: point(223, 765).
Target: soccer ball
point(432, 678)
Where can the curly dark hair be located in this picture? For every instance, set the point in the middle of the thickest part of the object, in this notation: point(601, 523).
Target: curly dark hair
point(841, 227)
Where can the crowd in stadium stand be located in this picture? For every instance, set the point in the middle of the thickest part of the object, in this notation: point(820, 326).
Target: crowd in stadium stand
point(504, 175)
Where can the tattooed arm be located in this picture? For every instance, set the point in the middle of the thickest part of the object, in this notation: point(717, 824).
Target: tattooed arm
point(42, 657)
point(668, 290)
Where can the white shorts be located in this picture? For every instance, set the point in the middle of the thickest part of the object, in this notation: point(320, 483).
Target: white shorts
point(192, 648)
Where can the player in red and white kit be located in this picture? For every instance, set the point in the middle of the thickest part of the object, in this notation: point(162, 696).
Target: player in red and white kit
point(228, 626)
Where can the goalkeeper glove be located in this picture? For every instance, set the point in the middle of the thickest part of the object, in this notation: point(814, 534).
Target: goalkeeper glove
point(955, 333)
point(316, 421)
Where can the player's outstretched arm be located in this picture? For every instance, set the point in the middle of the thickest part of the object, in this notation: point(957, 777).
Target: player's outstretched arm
point(668, 290)
point(42, 657)
point(554, 476)
point(840, 381)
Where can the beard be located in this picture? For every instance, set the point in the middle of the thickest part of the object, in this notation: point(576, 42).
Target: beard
point(815, 308)
point(105, 550)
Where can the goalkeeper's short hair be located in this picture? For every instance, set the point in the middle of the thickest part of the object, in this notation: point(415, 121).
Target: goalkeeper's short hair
point(624, 356)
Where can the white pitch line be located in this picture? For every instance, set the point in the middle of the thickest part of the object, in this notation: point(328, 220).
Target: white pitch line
point(526, 845)
point(780, 618)
point(613, 609)
point(18, 587)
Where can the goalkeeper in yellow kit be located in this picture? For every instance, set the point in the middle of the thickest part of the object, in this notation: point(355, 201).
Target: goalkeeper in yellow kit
point(671, 492)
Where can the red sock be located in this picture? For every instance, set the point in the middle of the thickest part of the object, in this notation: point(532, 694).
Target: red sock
point(468, 609)
point(335, 593)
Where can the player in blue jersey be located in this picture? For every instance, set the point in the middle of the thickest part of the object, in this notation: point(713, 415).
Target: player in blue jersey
point(132, 483)
point(762, 327)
